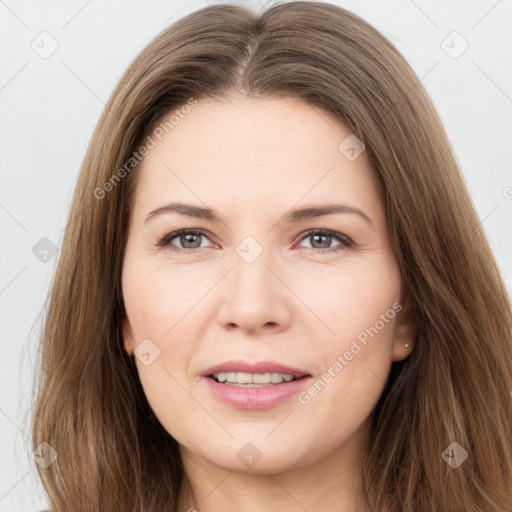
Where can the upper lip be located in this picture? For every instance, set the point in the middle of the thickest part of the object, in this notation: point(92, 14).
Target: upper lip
point(257, 367)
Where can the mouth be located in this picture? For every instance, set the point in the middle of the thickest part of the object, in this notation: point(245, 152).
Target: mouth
point(254, 388)
point(254, 380)
point(254, 374)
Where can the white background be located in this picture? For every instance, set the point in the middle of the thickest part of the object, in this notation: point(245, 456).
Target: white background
point(49, 108)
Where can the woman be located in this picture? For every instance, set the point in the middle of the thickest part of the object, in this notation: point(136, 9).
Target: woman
point(274, 292)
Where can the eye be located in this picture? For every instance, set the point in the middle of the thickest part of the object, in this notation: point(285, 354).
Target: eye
point(324, 238)
point(190, 240)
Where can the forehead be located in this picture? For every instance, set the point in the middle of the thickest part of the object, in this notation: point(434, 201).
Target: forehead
point(256, 152)
point(238, 127)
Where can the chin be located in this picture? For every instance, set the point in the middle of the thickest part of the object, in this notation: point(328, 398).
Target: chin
point(248, 455)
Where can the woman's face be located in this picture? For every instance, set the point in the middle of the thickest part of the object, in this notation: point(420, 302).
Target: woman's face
point(257, 287)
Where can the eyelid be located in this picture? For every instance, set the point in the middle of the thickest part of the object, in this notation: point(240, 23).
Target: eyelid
point(165, 241)
point(345, 241)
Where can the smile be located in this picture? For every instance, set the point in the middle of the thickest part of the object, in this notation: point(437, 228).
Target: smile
point(251, 396)
point(251, 379)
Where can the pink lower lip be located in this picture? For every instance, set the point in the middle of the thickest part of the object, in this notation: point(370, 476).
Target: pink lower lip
point(255, 398)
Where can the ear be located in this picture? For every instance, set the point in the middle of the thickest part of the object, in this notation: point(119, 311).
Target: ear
point(127, 337)
point(405, 330)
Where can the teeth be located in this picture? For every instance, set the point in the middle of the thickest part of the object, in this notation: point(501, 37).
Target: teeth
point(252, 379)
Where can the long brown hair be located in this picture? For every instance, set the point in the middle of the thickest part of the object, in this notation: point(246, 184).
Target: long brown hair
point(456, 386)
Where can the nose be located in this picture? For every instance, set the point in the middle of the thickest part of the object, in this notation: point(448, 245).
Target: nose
point(256, 299)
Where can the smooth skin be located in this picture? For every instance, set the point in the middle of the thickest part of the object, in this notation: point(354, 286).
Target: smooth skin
point(300, 302)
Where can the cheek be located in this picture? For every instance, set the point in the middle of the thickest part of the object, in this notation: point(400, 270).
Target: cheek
point(160, 306)
point(350, 297)
point(158, 297)
point(358, 309)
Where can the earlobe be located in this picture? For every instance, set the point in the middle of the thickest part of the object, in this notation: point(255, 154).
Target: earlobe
point(405, 331)
point(127, 336)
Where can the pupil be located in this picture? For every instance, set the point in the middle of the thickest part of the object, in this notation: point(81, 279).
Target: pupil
point(324, 236)
point(189, 238)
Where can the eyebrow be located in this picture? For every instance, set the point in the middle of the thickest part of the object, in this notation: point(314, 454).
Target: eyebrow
point(293, 216)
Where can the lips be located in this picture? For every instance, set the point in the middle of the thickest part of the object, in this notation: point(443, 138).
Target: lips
point(263, 396)
point(257, 367)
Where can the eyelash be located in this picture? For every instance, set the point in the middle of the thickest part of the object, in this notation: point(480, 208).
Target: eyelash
point(346, 242)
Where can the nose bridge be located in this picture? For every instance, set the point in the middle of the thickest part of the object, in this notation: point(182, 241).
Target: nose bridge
point(250, 275)
point(255, 296)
